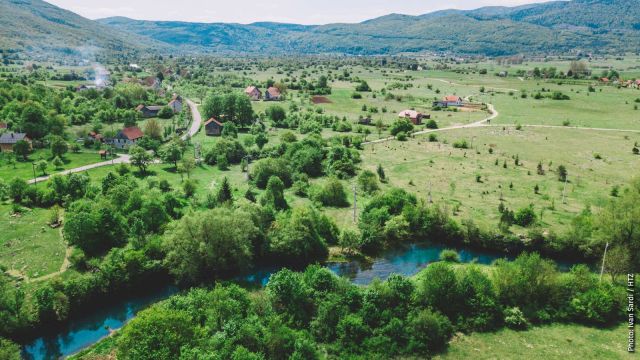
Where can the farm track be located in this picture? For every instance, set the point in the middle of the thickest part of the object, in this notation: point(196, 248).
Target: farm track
point(125, 158)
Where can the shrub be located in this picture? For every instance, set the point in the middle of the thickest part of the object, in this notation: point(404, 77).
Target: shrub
point(401, 125)
point(431, 124)
point(332, 193)
point(266, 168)
point(525, 216)
point(429, 332)
point(368, 182)
point(461, 144)
point(449, 255)
point(514, 319)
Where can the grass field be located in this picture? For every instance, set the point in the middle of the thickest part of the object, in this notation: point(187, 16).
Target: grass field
point(558, 341)
point(28, 245)
point(452, 173)
point(24, 169)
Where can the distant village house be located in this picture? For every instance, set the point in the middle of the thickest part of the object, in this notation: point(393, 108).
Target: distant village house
point(272, 94)
point(450, 100)
point(148, 111)
point(176, 103)
point(253, 93)
point(415, 116)
point(127, 137)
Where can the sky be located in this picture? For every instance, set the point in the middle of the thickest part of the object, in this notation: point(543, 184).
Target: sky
point(290, 11)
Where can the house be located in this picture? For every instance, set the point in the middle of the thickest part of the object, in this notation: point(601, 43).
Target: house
point(637, 83)
point(449, 100)
point(3, 126)
point(253, 93)
point(148, 111)
point(176, 103)
point(95, 136)
point(7, 140)
point(604, 80)
point(213, 127)
point(127, 137)
point(272, 94)
point(415, 116)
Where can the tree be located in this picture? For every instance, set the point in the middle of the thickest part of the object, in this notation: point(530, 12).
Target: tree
point(368, 182)
point(22, 148)
point(187, 165)
point(93, 227)
point(276, 113)
point(165, 113)
point(17, 189)
point(42, 165)
point(261, 140)
point(363, 86)
point(58, 146)
point(618, 261)
point(244, 111)
point(156, 334)
point(172, 153)
point(34, 120)
point(274, 194)
point(332, 193)
point(153, 129)
point(562, 173)
point(381, 174)
point(9, 350)
point(225, 194)
point(57, 162)
point(295, 237)
point(439, 289)
point(140, 158)
point(349, 240)
point(229, 130)
point(210, 243)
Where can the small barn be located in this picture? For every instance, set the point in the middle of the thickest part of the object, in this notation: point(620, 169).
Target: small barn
point(148, 111)
point(213, 127)
point(8, 139)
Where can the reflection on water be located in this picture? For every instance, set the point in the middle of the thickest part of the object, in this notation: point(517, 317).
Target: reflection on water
point(407, 261)
point(88, 330)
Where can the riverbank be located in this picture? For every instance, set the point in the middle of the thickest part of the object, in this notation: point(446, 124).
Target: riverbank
point(87, 330)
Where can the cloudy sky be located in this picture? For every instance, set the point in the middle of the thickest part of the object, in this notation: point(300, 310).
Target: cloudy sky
point(293, 11)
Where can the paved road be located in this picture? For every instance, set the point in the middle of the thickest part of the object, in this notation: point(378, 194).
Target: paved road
point(494, 113)
point(125, 158)
point(197, 120)
point(122, 158)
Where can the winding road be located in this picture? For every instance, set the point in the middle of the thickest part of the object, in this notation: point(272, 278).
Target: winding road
point(125, 158)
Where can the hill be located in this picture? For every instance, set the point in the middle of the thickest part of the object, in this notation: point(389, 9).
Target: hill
point(553, 27)
point(40, 28)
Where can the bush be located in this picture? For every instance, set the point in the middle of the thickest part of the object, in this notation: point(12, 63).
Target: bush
point(401, 125)
point(449, 255)
point(525, 216)
point(429, 332)
point(266, 168)
point(165, 113)
point(368, 182)
point(514, 319)
point(461, 144)
point(431, 124)
point(332, 193)
point(9, 350)
point(401, 136)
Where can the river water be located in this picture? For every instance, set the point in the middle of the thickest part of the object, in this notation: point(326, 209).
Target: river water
point(87, 330)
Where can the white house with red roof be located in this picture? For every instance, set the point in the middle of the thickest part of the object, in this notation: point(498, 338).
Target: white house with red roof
point(127, 137)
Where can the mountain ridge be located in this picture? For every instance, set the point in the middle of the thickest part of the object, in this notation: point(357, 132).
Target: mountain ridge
point(601, 26)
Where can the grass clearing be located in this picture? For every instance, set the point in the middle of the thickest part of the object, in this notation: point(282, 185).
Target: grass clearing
point(557, 341)
point(28, 245)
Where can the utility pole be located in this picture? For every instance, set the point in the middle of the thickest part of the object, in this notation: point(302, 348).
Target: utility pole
point(603, 258)
point(35, 179)
point(564, 189)
point(355, 203)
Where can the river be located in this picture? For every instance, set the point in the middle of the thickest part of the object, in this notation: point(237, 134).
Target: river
point(87, 330)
